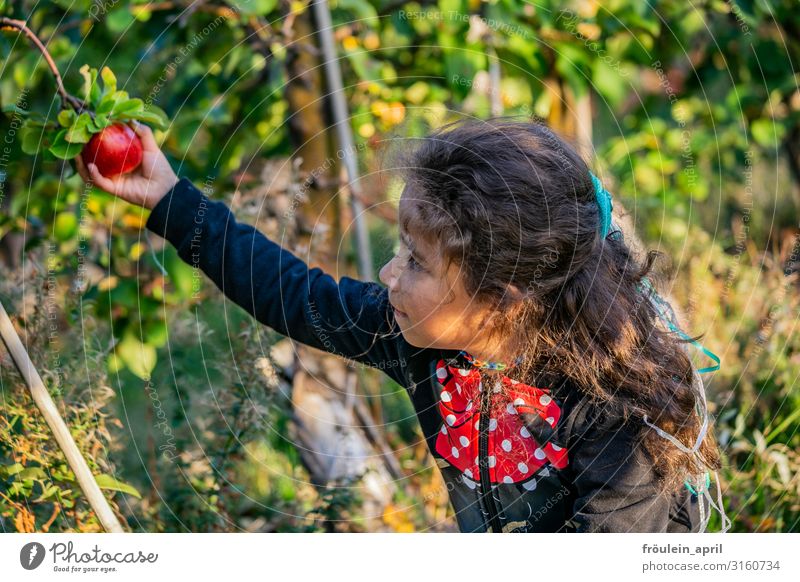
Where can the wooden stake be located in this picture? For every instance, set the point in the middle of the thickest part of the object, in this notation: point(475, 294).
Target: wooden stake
point(64, 439)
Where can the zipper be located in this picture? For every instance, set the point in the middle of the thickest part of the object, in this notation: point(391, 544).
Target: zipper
point(483, 462)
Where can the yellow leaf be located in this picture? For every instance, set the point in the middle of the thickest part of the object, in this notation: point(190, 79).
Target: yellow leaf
point(136, 251)
point(350, 43)
point(395, 113)
point(372, 41)
point(397, 519)
point(367, 130)
point(107, 283)
point(134, 220)
point(378, 108)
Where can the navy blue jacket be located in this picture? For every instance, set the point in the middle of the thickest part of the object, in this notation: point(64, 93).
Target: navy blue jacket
point(580, 469)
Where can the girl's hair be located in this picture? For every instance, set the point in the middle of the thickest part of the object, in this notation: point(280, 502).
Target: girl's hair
point(512, 202)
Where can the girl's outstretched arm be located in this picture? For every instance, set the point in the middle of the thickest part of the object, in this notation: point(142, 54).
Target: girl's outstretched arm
point(350, 318)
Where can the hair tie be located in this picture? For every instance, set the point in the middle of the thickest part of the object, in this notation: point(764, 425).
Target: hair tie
point(603, 197)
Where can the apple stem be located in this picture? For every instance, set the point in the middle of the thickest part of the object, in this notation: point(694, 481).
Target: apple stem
point(67, 100)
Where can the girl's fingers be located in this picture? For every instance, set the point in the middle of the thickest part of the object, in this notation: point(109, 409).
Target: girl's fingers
point(82, 171)
point(146, 135)
point(100, 180)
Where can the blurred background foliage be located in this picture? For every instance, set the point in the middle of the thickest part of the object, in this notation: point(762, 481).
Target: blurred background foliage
point(693, 114)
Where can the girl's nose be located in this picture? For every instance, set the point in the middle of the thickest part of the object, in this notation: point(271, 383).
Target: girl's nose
point(387, 275)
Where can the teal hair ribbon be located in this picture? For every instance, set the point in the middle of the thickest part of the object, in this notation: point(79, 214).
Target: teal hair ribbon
point(603, 197)
point(667, 315)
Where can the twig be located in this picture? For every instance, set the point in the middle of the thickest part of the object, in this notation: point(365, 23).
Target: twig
point(67, 100)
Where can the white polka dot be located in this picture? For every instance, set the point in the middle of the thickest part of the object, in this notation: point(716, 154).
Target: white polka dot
point(463, 440)
point(492, 461)
point(514, 381)
point(477, 424)
point(476, 460)
point(463, 371)
point(468, 473)
point(444, 429)
point(550, 420)
point(470, 483)
point(555, 447)
point(469, 405)
point(545, 472)
point(519, 402)
point(523, 468)
point(524, 432)
point(480, 386)
point(506, 444)
point(441, 373)
point(445, 396)
point(454, 451)
point(510, 409)
point(539, 453)
point(451, 419)
point(492, 424)
point(544, 400)
point(529, 485)
point(507, 479)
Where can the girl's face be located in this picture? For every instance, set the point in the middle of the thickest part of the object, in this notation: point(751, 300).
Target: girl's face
point(430, 303)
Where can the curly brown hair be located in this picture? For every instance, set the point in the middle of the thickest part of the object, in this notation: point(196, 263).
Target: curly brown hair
point(511, 202)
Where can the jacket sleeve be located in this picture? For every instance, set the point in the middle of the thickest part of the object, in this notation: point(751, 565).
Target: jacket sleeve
point(350, 318)
point(615, 482)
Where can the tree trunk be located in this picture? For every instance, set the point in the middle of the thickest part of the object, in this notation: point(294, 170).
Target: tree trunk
point(328, 413)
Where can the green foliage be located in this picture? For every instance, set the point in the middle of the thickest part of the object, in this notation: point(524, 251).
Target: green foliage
point(105, 106)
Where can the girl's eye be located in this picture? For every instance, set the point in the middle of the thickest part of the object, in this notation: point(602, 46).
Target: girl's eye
point(414, 264)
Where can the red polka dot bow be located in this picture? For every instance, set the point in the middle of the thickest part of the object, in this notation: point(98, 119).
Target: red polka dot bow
point(514, 455)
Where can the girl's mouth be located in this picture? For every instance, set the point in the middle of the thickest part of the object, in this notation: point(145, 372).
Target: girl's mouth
point(400, 313)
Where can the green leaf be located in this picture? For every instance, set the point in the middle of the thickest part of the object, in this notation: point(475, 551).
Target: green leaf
point(112, 101)
point(254, 7)
point(362, 9)
point(156, 332)
point(110, 483)
point(131, 106)
point(91, 89)
point(100, 123)
point(10, 470)
point(139, 358)
point(120, 21)
point(31, 139)
point(767, 133)
point(65, 226)
point(109, 80)
point(67, 117)
point(48, 492)
point(31, 473)
point(609, 82)
point(14, 109)
point(79, 132)
point(62, 149)
point(152, 116)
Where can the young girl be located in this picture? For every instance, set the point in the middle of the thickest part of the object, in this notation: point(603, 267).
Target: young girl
point(552, 392)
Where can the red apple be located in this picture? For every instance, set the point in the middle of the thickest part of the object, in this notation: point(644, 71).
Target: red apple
point(114, 150)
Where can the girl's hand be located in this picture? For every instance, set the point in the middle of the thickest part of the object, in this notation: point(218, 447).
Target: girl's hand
point(145, 186)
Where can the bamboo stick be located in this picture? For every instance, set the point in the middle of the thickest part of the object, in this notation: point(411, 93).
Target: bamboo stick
point(51, 415)
point(341, 120)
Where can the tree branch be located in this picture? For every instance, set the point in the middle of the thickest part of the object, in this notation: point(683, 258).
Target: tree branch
point(67, 100)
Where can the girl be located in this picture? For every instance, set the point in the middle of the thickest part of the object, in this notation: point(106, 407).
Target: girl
point(550, 393)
